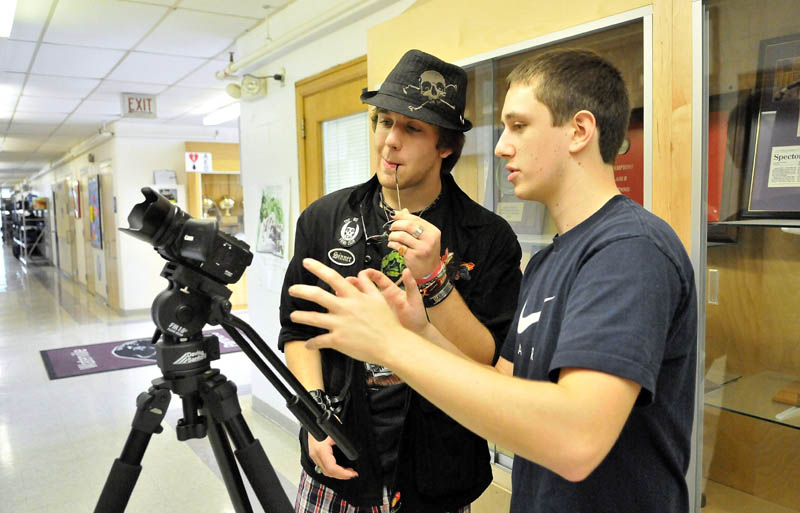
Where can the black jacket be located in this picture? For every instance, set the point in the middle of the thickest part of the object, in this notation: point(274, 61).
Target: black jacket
point(441, 465)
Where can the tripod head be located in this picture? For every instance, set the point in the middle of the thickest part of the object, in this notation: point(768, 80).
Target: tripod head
point(201, 261)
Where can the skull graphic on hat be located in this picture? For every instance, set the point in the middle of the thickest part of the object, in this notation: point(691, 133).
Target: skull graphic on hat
point(432, 86)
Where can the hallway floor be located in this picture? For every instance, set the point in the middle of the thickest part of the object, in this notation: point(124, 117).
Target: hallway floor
point(59, 438)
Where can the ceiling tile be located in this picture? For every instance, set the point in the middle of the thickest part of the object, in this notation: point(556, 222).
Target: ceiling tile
point(250, 8)
point(99, 107)
point(38, 104)
point(116, 87)
point(97, 119)
point(182, 100)
point(21, 143)
point(14, 158)
point(18, 128)
point(103, 24)
point(160, 69)
point(40, 117)
point(59, 87)
point(55, 142)
point(15, 55)
point(196, 34)
point(75, 61)
point(29, 19)
point(10, 89)
point(205, 77)
point(81, 131)
point(10, 81)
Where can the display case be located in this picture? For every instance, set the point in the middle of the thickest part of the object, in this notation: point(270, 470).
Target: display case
point(751, 167)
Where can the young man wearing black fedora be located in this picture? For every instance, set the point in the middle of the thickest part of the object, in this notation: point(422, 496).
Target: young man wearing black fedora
point(464, 260)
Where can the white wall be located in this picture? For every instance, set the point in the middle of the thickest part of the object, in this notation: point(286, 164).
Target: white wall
point(138, 151)
point(269, 147)
point(135, 151)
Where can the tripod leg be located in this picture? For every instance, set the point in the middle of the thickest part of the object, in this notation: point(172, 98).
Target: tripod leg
point(257, 468)
point(227, 466)
point(151, 406)
point(221, 402)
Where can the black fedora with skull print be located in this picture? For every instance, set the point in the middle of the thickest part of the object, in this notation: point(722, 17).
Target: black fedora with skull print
point(424, 87)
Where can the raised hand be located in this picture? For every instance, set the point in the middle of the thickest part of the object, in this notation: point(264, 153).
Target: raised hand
point(359, 320)
point(421, 240)
point(406, 304)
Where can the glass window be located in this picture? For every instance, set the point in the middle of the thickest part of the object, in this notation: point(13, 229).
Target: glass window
point(751, 422)
point(345, 146)
point(483, 176)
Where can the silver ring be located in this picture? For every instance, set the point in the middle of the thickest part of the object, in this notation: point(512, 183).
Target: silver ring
point(418, 232)
point(317, 469)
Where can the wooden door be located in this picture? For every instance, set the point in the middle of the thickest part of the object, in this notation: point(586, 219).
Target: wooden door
point(329, 95)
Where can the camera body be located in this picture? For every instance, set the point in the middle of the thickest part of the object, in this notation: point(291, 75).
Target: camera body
point(196, 243)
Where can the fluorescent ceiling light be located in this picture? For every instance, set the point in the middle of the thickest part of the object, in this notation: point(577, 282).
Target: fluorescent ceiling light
point(222, 115)
point(220, 100)
point(7, 9)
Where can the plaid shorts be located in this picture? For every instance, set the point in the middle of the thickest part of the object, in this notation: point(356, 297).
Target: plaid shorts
point(314, 497)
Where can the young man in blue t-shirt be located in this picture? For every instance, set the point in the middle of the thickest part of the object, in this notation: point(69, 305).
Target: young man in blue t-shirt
point(594, 389)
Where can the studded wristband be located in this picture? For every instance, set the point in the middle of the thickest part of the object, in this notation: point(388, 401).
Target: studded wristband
point(320, 397)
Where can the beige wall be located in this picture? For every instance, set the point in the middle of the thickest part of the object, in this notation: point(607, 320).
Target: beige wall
point(472, 29)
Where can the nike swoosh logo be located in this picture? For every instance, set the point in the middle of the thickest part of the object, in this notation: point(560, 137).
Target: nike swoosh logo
point(525, 321)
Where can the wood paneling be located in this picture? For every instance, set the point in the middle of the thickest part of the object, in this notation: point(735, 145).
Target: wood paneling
point(757, 321)
point(224, 156)
point(756, 457)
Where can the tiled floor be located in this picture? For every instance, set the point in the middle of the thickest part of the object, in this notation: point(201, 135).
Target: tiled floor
point(58, 438)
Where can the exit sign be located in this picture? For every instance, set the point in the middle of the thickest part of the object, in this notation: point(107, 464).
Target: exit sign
point(138, 105)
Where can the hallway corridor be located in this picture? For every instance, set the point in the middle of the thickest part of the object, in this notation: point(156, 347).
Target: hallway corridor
point(58, 438)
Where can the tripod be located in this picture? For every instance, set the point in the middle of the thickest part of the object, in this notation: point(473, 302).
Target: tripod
point(210, 405)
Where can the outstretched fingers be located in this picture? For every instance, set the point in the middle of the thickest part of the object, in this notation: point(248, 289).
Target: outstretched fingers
point(336, 281)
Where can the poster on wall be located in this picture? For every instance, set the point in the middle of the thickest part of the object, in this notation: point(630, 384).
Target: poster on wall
point(271, 256)
point(95, 227)
point(272, 216)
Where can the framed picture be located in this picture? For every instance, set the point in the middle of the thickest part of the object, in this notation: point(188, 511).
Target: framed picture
point(95, 226)
point(773, 156)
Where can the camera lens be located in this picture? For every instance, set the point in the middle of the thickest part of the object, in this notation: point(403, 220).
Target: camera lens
point(151, 219)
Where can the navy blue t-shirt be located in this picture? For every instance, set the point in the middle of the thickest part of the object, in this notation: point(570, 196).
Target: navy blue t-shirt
point(614, 294)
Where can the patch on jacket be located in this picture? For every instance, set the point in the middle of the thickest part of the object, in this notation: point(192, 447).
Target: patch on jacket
point(349, 232)
point(341, 256)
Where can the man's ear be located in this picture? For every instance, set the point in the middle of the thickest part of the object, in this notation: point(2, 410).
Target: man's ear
point(445, 152)
point(584, 127)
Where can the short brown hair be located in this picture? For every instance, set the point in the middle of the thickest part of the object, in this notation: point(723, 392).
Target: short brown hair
point(448, 138)
point(568, 80)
